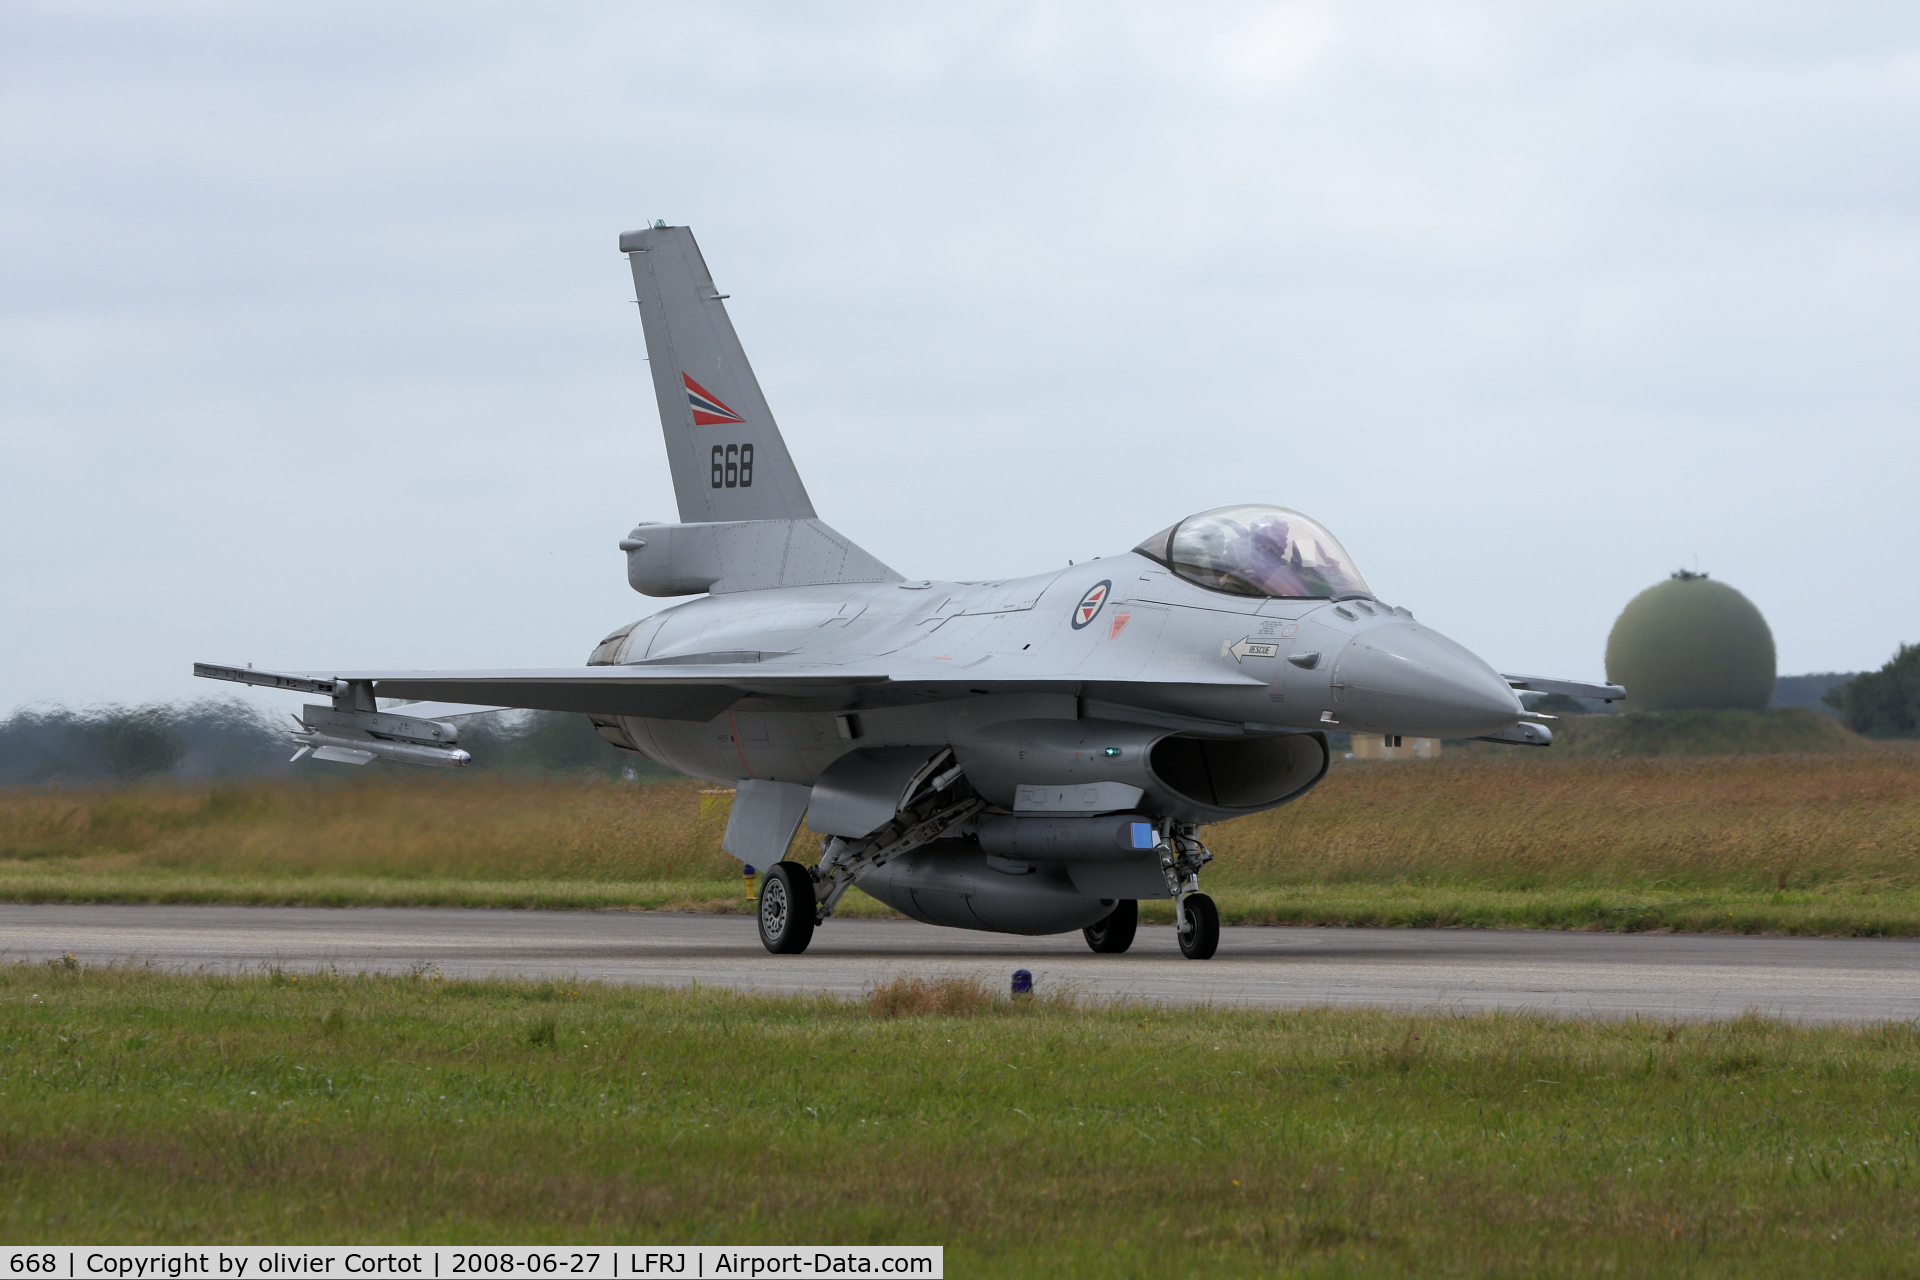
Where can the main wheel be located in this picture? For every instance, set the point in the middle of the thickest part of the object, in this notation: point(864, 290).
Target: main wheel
point(1114, 934)
point(1202, 939)
point(786, 909)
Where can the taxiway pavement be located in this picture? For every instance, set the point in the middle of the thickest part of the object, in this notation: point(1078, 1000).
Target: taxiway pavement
point(1569, 974)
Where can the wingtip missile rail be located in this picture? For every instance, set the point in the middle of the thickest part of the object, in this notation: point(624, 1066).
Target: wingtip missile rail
point(350, 731)
point(270, 679)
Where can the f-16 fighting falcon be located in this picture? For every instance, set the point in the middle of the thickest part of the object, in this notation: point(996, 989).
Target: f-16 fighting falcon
point(1023, 755)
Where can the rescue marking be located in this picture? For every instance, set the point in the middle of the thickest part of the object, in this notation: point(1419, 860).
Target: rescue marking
point(1089, 607)
point(1247, 647)
point(708, 409)
point(1119, 624)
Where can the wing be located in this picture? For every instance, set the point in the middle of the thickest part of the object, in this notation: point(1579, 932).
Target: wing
point(676, 691)
point(683, 692)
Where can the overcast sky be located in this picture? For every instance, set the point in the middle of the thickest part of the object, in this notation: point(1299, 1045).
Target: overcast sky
point(316, 349)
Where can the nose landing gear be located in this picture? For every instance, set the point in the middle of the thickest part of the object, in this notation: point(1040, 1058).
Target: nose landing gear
point(1199, 927)
point(1194, 915)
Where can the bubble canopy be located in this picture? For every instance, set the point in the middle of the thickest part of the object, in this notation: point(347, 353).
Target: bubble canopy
point(1257, 551)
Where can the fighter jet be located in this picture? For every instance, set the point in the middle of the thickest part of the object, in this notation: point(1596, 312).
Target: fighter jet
point(1023, 755)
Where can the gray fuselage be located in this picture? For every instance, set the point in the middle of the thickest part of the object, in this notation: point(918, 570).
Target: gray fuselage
point(1136, 662)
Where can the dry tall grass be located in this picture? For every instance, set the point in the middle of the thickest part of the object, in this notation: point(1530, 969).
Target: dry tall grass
point(1750, 821)
point(916, 997)
point(1753, 822)
point(505, 830)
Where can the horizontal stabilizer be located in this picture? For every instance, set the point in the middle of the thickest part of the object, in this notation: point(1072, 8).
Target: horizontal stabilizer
point(1571, 688)
point(743, 555)
point(444, 710)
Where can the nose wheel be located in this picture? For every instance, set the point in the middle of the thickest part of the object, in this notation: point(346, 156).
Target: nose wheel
point(1199, 927)
point(1195, 919)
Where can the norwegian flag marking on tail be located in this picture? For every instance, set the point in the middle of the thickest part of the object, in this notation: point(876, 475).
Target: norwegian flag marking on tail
point(708, 408)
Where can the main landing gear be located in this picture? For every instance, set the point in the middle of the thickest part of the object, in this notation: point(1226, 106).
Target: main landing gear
point(786, 909)
point(794, 898)
point(1114, 934)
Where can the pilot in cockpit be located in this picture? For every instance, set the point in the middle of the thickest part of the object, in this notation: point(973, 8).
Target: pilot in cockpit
point(1256, 551)
point(1264, 561)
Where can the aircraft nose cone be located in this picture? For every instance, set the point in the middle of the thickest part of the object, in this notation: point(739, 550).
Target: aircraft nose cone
point(1404, 678)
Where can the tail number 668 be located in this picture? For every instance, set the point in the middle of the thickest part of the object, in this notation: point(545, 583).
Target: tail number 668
point(733, 466)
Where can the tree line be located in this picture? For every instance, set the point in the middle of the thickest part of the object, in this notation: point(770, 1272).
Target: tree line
point(215, 738)
point(1883, 703)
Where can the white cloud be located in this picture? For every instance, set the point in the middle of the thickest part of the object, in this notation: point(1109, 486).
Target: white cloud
point(1529, 303)
point(1274, 45)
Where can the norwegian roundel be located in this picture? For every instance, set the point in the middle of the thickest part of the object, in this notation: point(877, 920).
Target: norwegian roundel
point(1089, 607)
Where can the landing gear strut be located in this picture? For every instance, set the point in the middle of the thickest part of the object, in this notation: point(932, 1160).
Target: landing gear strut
point(942, 803)
point(794, 899)
point(1194, 915)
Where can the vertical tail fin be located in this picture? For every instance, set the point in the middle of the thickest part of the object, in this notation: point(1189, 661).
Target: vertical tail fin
point(726, 454)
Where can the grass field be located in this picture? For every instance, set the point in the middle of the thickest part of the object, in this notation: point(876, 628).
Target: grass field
point(1030, 1140)
point(1816, 843)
